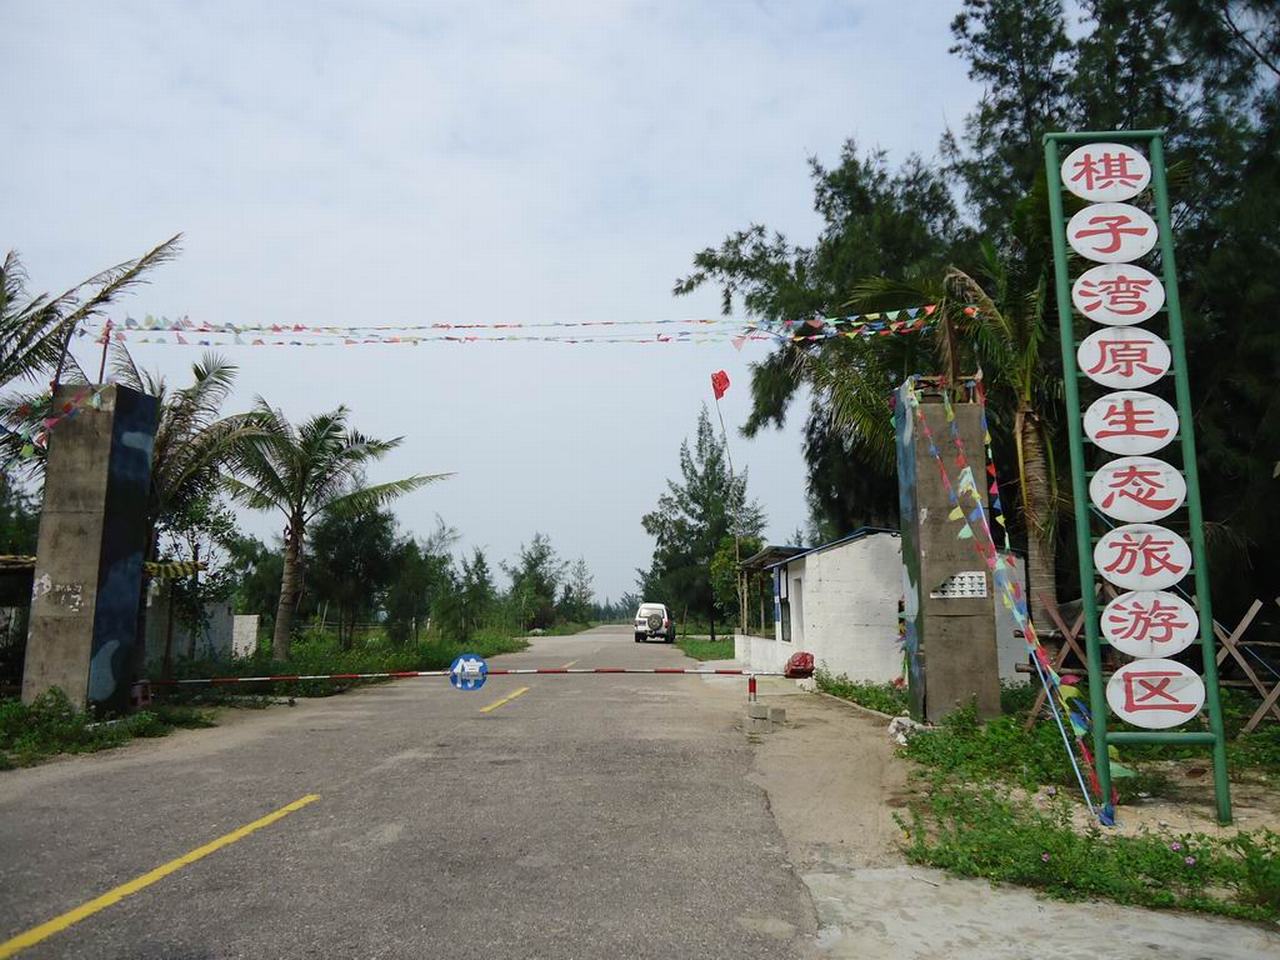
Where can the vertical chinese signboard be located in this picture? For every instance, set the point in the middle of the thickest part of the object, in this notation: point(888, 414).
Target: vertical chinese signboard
point(1136, 482)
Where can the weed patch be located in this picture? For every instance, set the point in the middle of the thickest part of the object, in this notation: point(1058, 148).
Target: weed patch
point(52, 725)
point(884, 697)
point(981, 833)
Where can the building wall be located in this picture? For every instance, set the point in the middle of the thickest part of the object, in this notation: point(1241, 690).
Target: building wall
point(847, 614)
point(244, 635)
point(850, 613)
point(211, 641)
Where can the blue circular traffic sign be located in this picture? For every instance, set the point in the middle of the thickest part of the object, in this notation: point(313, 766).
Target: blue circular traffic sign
point(468, 672)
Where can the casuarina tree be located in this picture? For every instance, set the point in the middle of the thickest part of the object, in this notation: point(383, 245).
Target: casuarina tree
point(707, 504)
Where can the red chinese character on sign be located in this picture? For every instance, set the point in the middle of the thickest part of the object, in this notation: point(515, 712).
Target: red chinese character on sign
point(1123, 357)
point(1139, 484)
point(1153, 624)
point(1123, 295)
point(1127, 420)
point(1106, 171)
point(1145, 548)
point(1149, 690)
point(1114, 227)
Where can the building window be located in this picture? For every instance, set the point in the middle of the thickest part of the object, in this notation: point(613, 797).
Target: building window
point(782, 603)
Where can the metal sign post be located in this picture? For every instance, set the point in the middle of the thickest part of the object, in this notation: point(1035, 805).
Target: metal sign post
point(1106, 169)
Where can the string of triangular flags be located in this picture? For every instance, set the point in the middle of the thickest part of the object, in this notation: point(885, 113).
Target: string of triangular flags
point(150, 329)
point(888, 323)
point(976, 527)
point(46, 416)
point(997, 506)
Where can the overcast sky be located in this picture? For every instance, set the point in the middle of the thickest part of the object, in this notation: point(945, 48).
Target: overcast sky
point(416, 162)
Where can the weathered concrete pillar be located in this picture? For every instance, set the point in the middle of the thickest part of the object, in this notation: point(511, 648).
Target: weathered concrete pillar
point(947, 587)
point(88, 578)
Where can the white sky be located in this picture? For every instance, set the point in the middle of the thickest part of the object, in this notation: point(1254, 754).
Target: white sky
point(410, 162)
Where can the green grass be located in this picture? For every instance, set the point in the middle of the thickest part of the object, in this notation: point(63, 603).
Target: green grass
point(982, 833)
point(884, 697)
point(965, 819)
point(51, 725)
point(705, 649)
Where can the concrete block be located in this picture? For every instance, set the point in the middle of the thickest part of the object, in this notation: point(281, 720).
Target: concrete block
point(758, 711)
point(756, 725)
point(777, 715)
point(92, 540)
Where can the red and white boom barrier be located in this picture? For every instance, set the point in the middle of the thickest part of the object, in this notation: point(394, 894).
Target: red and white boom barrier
point(798, 667)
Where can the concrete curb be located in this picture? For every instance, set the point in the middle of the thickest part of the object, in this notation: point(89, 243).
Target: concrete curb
point(856, 706)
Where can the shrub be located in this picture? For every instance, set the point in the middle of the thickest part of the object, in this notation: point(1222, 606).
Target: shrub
point(884, 697)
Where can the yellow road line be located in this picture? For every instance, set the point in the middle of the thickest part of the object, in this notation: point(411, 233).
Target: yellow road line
point(113, 896)
point(569, 664)
point(493, 706)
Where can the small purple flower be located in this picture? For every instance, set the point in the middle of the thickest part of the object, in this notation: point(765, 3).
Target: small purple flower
point(1045, 857)
point(1189, 861)
point(1175, 846)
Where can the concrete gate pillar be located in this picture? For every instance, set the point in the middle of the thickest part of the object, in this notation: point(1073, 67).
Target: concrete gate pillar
point(950, 637)
point(88, 577)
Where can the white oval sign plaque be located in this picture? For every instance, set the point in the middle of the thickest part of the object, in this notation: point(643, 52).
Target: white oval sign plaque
point(1150, 623)
point(1105, 171)
point(1123, 357)
point(1142, 556)
point(1156, 694)
point(1138, 489)
point(1130, 422)
point(1111, 232)
point(1118, 294)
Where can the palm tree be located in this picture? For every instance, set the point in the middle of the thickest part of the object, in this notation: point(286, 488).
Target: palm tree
point(193, 444)
point(301, 471)
point(193, 441)
point(1001, 333)
point(35, 332)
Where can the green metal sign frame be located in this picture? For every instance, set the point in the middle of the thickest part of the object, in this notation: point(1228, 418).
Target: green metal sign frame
point(1153, 141)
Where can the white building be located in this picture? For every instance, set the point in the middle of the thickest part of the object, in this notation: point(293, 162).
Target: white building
point(840, 602)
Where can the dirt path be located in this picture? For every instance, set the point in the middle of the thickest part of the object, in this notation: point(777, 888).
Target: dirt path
point(834, 782)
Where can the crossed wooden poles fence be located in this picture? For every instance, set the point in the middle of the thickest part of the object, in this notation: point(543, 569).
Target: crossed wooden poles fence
point(1231, 644)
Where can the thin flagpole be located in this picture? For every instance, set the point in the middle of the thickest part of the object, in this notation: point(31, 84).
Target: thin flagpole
point(737, 541)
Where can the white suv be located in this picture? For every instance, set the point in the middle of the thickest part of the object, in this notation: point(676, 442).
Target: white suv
point(652, 620)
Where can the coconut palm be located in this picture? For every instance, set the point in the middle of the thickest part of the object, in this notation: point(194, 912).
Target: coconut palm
point(35, 332)
point(301, 471)
point(193, 445)
point(1001, 332)
point(193, 441)
point(35, 329)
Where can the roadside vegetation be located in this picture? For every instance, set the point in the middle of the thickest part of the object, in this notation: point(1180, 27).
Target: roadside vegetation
point(51, 725)
point(982, 831)
point(702, 648)
point(882, 697)
point(997, 801)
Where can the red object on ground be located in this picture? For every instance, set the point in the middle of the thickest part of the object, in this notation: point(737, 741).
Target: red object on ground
point(799, 667)
point(719, 383)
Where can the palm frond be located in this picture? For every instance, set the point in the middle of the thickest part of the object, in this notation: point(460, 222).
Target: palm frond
point(33, 334)
point(364, 499)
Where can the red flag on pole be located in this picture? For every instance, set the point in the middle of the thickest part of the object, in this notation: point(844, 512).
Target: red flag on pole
point(719, 383)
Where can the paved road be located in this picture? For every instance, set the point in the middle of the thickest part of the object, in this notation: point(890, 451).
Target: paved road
point(588, 817)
